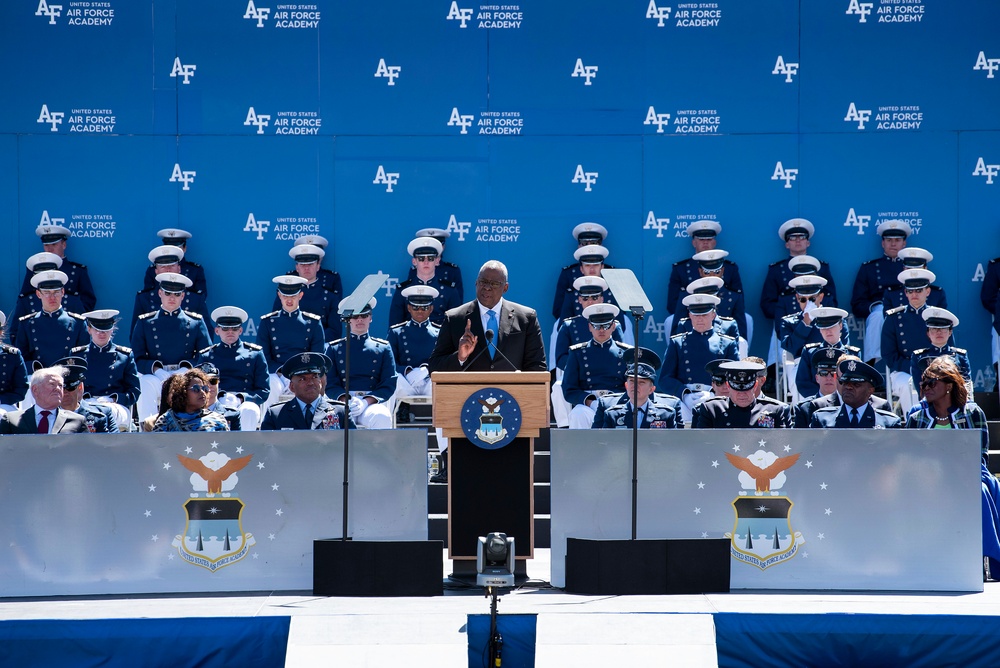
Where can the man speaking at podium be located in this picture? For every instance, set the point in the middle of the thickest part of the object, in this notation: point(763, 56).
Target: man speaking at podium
point(490, 333)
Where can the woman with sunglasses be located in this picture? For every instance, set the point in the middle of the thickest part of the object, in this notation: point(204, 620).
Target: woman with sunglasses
point(189, 407)
point(946, 405)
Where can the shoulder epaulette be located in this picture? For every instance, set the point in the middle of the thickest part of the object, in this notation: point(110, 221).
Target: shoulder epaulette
point(310, 315)
point(78, 349)
point(340, 340)
point(779, 263)
point(401, 324)
point(449, 264)
point(880, 411)
point(577, 346)
point(194, 315)
point(377, 340)
point(873, 261)
point(252, 346)
point(810, 346)
point(960, 351)
point(205, 351)
point(123, 349)
point(764, 399)
point(894, 311)
point(193, 264)
point(726, 336)
point(854, 350)
point(570, 266)
point(75, 315)
point(9, 348)
point(269, 315)
point(567, 321)
point(725, 318)
point(25, 317)
point(147, 315)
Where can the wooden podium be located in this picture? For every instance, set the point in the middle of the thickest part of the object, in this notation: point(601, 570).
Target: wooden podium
point(490, 490)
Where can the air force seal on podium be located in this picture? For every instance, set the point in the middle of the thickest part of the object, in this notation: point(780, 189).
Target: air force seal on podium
point(491, 418)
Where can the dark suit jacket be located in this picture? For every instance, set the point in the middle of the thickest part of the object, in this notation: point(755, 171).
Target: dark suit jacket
point(287, 415)
point(615, 412)
point(23, 422)
point(520, 341)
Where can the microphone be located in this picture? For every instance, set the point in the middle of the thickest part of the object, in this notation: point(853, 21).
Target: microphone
point(469, 362)
point(489, 342)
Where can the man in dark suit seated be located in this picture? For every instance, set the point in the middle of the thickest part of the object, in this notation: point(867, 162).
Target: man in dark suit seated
point(516, 343)
point(856, 382)
point(309, 408)
point(45, 417)
point(617, 411)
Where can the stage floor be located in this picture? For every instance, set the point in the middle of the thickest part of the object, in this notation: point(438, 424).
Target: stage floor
point(571, 629)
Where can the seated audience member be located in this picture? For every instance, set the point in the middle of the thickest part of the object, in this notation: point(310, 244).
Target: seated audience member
point(172, 236)
point(318, 297)
point(704, 237)
point(45, 416)
point(904, 331)
point(221, 402)
point(730, 317)
point(797, 234)
point(287, 332)
point(166, 260)
point(48, 335)
point(823, 362)
point(424, 253)
point(585, 234)
point(28, 302)
point(166, 341)
point(945, 405)
point(369, 391)
point(683, 373)
point(112, 377)
point(13, 373)
point(856, 382)
point(787, 303)
point(448, 271)
point(78, 288)
point(308, 408)
point(241, 366)
point(940, 325)
point(744, 407)
point(720, 386)
point(913, 258)
point(617, 411)
point(412, 343)
point(189, 406)
point(830, 324)
point(797, 329)
point(873, 279)
point(99, 419)
point(594, 368)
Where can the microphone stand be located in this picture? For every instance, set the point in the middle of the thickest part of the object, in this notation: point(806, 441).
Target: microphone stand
point(346, 317)
point(638, 313)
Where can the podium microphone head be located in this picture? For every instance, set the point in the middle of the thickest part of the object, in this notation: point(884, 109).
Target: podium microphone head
point(489, 336)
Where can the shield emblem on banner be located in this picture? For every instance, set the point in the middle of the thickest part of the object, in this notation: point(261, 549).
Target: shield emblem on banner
point(762, 535)
point(213, 536)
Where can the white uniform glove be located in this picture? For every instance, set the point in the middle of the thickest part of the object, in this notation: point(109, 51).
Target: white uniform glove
point(417, 375)
point(357, 406)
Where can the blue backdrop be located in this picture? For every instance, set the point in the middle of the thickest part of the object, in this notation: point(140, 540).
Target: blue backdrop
point(364, 122)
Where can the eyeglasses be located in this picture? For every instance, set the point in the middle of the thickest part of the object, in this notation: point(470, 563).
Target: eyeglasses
point(214, 380)
point(911, 291)
point(173, 294)
point(225, 328)
point(51, 293)
point(425, 258)
point(823, 373)
point(199, 388)
point(797, 237)
point(589, 298)
point(928, 383)
point(492, 285)
point(425, 307)
point(803, 300)
point(360, 317)
point(718, 380)
point(603, 327)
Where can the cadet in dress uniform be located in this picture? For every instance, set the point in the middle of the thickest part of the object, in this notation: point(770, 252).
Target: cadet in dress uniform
point(712, 264)
point(223, 403)
point(830, 323)
point(308, 408)
point(586, 234)
point(78, 285)
point(856, 382)
point(823, 361)
point(720, 386)
point(743, 408)
point(98, 418)
point(286, 332)
point(373, 373)
point(989, 295)
point(240, 366)
point(797, 234)
point(591, 259)
point(166, 259)
point(449, 272)
point(940, 324)
point(13, 373)
point(704, 237)
point(424, 253)
point(904, 332)
point(413, 341)
point(797, 329)
point(873, 279)
point(913, 258)
point(112, 377)
point(30, 303)
point(800, 265)
point(172, 236)
point(729, 303)
point(166, 341)
point(594, 368)
point(617, 411)
point(683, 373)
point(317, 297)
point(49, 334)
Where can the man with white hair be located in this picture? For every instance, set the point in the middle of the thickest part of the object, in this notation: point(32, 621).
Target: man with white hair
point(166, 341)
point(45, 416)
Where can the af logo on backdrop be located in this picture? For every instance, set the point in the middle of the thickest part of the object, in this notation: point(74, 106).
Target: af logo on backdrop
point(182, 176)
point(985, 170)
point(79, 13)
point(786, 174)
point(988, 65)
point(181, 70)
point(586, 178)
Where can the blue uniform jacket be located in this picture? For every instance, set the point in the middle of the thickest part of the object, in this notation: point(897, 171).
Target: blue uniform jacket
point(47, 337)
point(721, 324)
point(448, 298)
point(13, 375)
point(837, 417)
point(192, 270)
point(660, 412)
point(321, 301)
point(78, 284)
point(449, 273)
point(168, 338)
point(685, 271)
point(288, 415)
point(903, 332)
point(805, 375)
point(242, 369)
point(686, 357)
point(373, 368)
point(776, 286)
point(573, 331)
point(98, 418)
point(148, 301)
point(412, 343)
point(896, 297)
point(923, 356)
point(873, 279)
point(794, 334)
point(30, 303)
point(282, 335)
point(594, 366)
point(111, 370)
